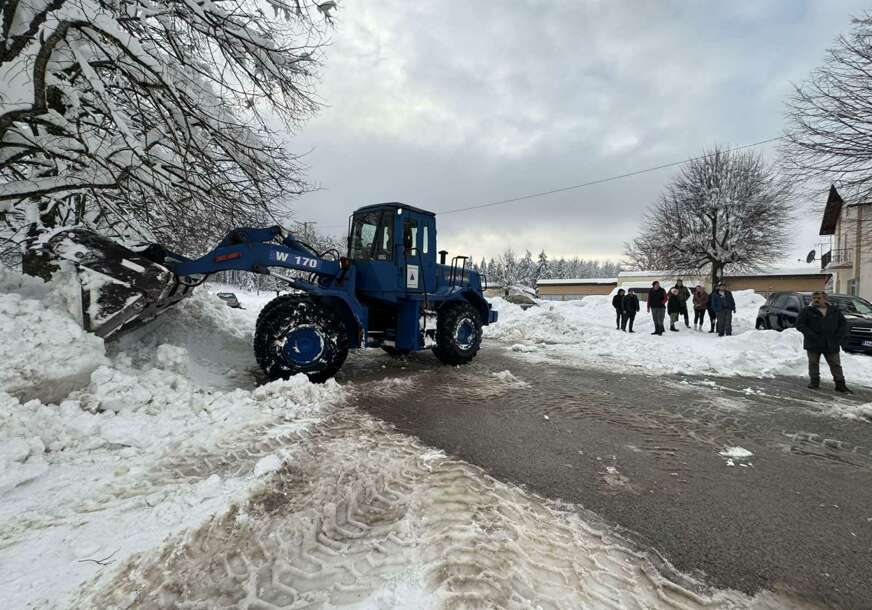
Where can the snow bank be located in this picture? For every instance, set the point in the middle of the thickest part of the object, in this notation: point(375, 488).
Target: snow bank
point(45, 352)
point(583, 332)
point(202, 324)
point(164, 432)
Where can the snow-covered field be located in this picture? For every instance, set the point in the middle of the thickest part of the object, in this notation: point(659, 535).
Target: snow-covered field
point(583, 332)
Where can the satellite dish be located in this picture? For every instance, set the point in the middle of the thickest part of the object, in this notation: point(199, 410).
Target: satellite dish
point(810, 257)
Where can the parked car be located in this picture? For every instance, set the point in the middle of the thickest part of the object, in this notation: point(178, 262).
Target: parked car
point(521, 299)
point(782, 308)
point(230, 300)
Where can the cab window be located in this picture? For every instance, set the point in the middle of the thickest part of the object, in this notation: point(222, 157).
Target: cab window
point(372, 236)
point(410, 237)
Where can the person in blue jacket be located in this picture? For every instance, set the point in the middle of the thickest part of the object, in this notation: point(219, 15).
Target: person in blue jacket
point(724, 306)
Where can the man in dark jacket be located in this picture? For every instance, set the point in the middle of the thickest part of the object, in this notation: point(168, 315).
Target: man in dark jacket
point(657, 306)
point(823, 328)
point(684, 295)
point(673, 307)
point(618, 304)
point(630, 307)
point(724, 306)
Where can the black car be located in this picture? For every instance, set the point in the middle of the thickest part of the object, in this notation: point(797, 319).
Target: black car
point(782, 308)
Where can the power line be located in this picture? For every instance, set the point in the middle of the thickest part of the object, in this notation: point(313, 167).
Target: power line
point(590, 183)
point(598, 181)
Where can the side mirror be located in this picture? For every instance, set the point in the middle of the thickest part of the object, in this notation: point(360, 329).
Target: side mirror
point(229, 299)
point(792, 309)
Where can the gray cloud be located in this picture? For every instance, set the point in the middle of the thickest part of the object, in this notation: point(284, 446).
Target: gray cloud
point(446, 104)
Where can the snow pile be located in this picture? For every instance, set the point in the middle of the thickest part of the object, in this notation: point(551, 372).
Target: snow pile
point(149, 409)
point(736, 452)
point(144, 444)
point(506, 377)
point(45, 352)
point(583, 332)
point(861, 412)
point(736, 455)
point(202, 324)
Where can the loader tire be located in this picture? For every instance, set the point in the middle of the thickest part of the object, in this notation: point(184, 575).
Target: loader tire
point(259, 337)
point(264, 313)
point(300, 335)
point(458, 333)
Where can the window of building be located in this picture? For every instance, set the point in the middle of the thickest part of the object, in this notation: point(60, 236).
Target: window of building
point(853, 287)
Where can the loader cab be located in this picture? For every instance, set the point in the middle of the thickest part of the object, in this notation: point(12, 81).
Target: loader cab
point(393, 248)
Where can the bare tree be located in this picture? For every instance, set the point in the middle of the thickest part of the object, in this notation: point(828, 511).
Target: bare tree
point(149, 118)
point(726, 209)
point(643, 253)
point(828, 137)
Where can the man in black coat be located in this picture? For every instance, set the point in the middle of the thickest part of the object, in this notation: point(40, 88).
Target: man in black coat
point(618, 304)
point(630, 306)
point(823, 328)
point(657, 306)
point(684, 295)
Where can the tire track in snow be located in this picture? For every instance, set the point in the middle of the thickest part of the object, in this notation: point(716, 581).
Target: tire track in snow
point(361, 516)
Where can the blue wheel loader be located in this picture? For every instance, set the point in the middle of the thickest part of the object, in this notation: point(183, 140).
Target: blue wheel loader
point(389, 292)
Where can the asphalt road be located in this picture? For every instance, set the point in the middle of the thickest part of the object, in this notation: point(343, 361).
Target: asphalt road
point(643, 453)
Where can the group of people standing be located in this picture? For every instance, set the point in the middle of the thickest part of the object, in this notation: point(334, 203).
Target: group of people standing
point(626, 306)
point(720, 306)
point(823, 326)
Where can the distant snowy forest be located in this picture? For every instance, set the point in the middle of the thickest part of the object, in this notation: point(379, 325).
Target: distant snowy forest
point(510, 269)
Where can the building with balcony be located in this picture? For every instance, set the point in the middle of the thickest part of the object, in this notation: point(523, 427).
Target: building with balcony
point(849, 226)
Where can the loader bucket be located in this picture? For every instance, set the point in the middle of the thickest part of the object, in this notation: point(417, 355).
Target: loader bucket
point(120, 288)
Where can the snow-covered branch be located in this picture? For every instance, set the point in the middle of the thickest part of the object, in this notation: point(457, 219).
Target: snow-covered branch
point(152, 115)
point(726, 209)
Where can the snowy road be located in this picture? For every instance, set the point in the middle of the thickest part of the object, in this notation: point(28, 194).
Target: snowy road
point(367, 518)
point(650, 454)
point(362, 516)
point(366, 515)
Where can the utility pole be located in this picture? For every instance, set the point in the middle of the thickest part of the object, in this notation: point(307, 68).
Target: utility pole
point(307, 227)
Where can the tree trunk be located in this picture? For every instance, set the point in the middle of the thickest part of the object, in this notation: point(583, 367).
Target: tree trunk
point(717, 274)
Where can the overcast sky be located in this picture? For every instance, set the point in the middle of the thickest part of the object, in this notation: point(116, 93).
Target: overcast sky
point(443, 104)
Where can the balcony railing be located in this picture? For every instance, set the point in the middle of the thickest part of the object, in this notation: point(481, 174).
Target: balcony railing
point(842, 257)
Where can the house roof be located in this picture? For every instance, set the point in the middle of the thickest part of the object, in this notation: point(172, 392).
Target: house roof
point(780, 271)
point(769, 271)
point(831, 212)
point(655, 274)
point(582, 280)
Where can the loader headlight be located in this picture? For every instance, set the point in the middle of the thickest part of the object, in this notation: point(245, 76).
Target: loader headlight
point(344, 263)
